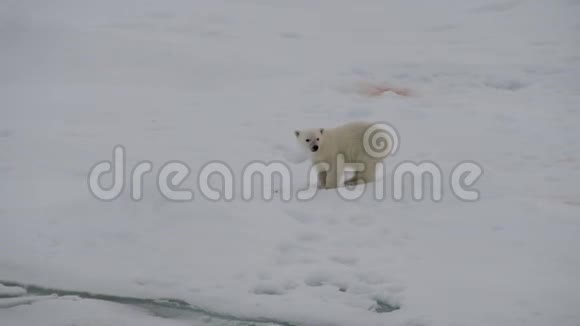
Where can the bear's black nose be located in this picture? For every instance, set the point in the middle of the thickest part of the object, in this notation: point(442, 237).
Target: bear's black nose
point(314, 148)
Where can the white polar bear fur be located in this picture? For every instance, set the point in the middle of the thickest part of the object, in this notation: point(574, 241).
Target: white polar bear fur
point(346, 140)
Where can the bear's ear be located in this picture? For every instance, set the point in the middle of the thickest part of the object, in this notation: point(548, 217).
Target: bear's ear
point(297, 133)
point(321, 131)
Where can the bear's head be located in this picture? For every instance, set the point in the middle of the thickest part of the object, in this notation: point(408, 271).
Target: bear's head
point(310, 139)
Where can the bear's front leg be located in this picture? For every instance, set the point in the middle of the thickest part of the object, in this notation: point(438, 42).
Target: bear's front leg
point(331, 178)
point(369, 175)
point(354, 180)
point(322, 180)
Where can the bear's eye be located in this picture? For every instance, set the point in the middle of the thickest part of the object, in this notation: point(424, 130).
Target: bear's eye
point(307, 140)
point(317, 139)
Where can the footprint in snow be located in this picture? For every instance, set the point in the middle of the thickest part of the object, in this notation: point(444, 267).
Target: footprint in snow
point(274, 288)
point(318, 279)
point(268, 288)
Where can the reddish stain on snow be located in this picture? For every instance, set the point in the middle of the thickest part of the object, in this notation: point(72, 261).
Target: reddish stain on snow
point(378, 90)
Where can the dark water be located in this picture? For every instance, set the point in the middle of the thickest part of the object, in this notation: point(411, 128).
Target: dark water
point(166, 308)
point(174, 308)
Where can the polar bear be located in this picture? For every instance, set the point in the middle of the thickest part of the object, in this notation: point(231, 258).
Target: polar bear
point(351, 145)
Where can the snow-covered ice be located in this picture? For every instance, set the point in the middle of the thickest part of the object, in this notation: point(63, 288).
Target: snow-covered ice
point(19, 301)
point(11, 291)
point(495, 82)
